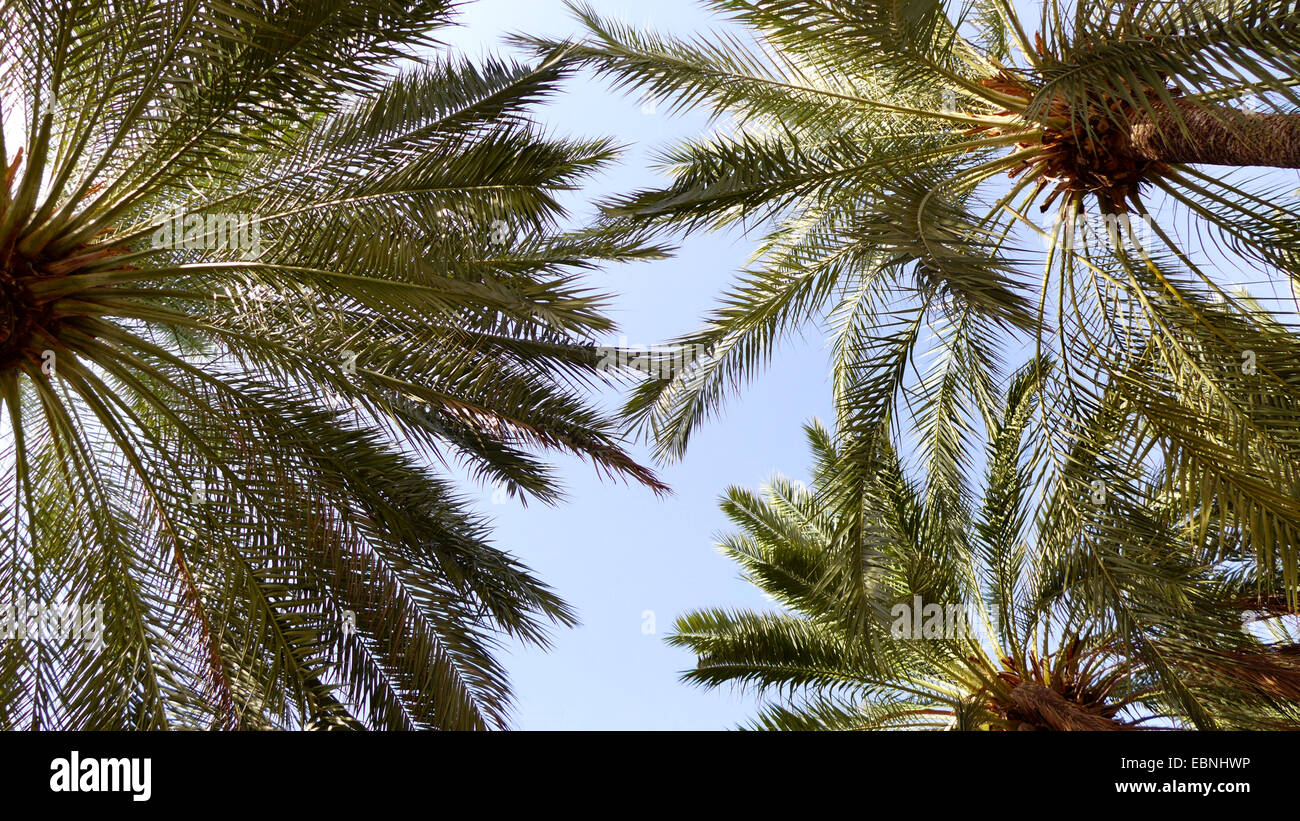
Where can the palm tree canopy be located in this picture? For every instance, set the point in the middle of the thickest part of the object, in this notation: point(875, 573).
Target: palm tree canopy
point(894, 157)
point(228, 444)
point(985, 617)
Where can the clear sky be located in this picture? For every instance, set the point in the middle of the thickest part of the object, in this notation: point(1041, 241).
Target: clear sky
point(622, 557)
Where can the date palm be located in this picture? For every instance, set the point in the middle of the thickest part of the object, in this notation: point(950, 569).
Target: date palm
point(230, 445)
point(1013, 636)
point(901, 161)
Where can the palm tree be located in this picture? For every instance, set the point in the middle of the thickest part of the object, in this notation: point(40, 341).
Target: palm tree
point(870, 145)
point(984, 626)
point(258, 271)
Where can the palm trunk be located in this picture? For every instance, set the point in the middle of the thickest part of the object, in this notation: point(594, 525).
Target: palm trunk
point(1042, 708)
point(1220, 135)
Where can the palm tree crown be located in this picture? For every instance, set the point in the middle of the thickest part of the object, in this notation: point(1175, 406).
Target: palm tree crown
point(896, 156)
point(246, 248)
point(976, 619)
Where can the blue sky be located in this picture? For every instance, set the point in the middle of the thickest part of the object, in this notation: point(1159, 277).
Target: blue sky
point(616, 552)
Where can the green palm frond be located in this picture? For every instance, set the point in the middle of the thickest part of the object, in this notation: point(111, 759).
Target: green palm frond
point(1094, 616)
point(869, 145)
point(260, 274)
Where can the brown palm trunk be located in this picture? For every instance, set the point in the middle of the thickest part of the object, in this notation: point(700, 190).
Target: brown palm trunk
point(1220, 135)
point(1042, 708)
